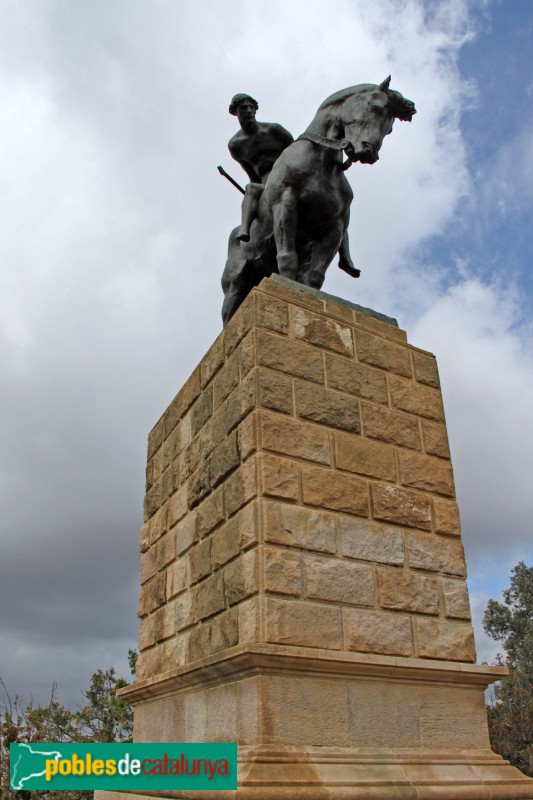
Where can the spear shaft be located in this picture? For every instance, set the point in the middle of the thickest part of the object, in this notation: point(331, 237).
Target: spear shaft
point(230, 179)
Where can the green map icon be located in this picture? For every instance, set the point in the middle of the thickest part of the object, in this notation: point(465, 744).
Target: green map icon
point(28, 763)
point(54, 766)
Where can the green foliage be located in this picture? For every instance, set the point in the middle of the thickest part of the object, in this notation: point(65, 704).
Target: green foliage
point(133, 655)
point(102, 718)
point(511, 714)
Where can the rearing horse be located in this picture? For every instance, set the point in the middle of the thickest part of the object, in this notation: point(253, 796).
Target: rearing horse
point(305, 207)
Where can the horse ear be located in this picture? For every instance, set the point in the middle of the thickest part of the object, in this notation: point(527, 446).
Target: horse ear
point(385, 85)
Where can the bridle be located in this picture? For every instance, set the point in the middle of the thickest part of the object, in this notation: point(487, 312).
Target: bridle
point(331, 144)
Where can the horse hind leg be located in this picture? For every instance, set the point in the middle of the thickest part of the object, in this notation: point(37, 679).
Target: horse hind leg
point(236, 278)
point(284, 216)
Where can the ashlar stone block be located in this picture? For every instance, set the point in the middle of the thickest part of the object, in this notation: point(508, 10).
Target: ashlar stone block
point(390, 427)
point(275, 391)
point(381, 352)
point(338, 581)
point(435, 439)
point(370, 541)
point(293, 358)
point(241, 578)
point(377, 632)
point(403, 507)
point(272, 314)
point(327, 407)
point(450, 640)
point(235, 536)
point(408, 591)
point(333, 490)
point(446, 517)
point(282, 434)
point(279, 477)
point(320, 330)
point(302, 528)
point(303, 623)
point(364, 457)
point(426, 370)
point(282, 571)
point(297, 705)
point(427, 473)
point(456, 600)
point(436, 553)
point(415, 398)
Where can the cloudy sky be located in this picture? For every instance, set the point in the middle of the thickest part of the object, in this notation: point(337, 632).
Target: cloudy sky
point(113, 236)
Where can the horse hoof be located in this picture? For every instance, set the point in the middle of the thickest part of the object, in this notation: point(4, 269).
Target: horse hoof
point(351, 271)
point(243, 237)
point(314, 279)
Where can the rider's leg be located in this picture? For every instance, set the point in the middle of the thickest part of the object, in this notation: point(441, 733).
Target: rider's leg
point(249, 208)
point(284, 217)
point(345, 259)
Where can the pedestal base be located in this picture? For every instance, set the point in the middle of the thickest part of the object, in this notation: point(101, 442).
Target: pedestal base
point(267, 773)
point(303, 585)
point(320, 725)
point(313, 774)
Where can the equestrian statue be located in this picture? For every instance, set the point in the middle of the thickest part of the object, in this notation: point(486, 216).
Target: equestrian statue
point(296, 208)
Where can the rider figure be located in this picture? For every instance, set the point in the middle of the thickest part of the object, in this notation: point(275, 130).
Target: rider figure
point(256, 147)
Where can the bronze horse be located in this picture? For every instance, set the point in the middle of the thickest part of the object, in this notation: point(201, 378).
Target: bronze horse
point(304, 210)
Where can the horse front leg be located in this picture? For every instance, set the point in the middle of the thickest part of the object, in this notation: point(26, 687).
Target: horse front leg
point(345, 259)
point(323, 254)
point(284, 216)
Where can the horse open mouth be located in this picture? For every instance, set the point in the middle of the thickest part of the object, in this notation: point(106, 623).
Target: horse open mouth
point(366, 154)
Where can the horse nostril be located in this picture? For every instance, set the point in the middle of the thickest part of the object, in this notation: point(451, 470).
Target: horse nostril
point(370, 152)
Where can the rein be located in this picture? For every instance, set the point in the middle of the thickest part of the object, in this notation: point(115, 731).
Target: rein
point(331, 144)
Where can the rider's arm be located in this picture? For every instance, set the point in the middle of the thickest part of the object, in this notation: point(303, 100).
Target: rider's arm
point(247, 167)
point(250, 171)
point(282, 134)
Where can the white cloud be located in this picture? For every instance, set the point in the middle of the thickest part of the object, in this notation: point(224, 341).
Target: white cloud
point(486, 362)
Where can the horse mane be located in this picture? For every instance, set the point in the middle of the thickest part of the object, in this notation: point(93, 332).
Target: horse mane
point(343, 94)
point(403, 109)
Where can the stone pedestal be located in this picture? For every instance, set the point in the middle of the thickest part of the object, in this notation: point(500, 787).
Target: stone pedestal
point(303, 579)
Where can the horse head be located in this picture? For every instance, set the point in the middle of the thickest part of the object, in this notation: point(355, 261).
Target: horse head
point(363, 116)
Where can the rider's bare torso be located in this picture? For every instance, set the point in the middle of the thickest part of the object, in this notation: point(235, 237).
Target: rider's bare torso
point(257, 150)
